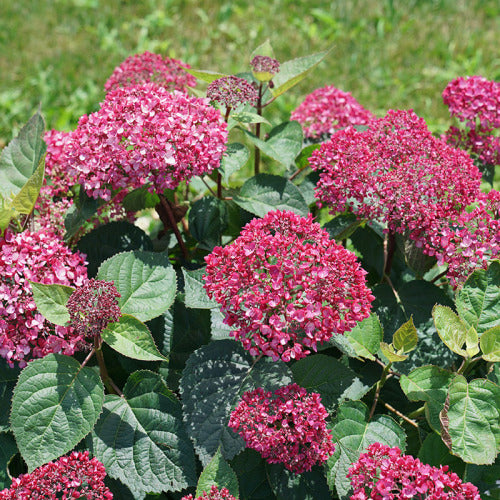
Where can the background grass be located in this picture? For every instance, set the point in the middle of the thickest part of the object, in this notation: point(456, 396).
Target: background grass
point(389, 54)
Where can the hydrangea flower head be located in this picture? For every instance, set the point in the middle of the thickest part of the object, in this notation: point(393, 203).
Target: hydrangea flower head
point(329, 109)
point(287, 427)
point(383, 472)
point(213, 494)
point(479, 143)
point(93, 306)
point(43, 258)
point(395, 172)
point(145, 134)
point(232, 91)
point(149, 67)
point(72, 476)
point(264, 67)
point(284, 286)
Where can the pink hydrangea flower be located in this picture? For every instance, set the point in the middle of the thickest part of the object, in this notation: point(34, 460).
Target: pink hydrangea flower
point(43, 258)
point(287, 427)
point(383, 472)
point(214, 494)
point(395, 172)
point(329, 109)
point(49, 213)
point(144, 134)
point(148, 67)
point(265, 64)
point(284, 286)
point(479, 143)
point(232, 91)
point(72, 476)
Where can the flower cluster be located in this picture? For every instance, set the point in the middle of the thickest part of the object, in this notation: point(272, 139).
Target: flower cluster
point(265, 64)
point(72, 476)
point(92, 306)
point(329, 109)
point(480, 144)
point(284, 286)
point(232, 91)
point(42, 258)
point(288, 427)
point(382, 472)
point(50, 213)
point(396, 172)
point(214, 494)
point(148, 67)
point(145, 134)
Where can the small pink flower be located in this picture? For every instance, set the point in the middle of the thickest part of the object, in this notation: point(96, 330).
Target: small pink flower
point(232, 91)
point(214, 494)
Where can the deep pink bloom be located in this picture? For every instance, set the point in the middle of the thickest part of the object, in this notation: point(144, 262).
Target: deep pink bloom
point(214, 494)
point(72, 476)
point(329, 109)
point(148, 67)
point(383, 473)
point(287, 427)
point(50, 212)
point(479, 143)
point(395, 172)
point(232, 91)
point(43, 258)
point(284, 286)
point(144, 134)
point(265, 64)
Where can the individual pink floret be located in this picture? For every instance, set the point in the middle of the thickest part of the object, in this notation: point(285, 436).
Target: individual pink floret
point(213, 494)
point(329, 109)
point(149, 67)
point(72, 476)
point(43, 258)
point(144, 134)
point(384, 473)
point(284, 286)
point(287, 427)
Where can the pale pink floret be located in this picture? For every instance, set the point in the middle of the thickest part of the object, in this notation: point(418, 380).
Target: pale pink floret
point(149, 67)
point(72, 476)
point(284, 286)
point(43, 258)
point(384, 473)
point(287, 427)
point(213, 494)
point(144, 134)
point(329, 109)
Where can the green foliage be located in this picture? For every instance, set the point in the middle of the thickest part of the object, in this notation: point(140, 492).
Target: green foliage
point(220, 473)
point(51, 301)
point(234, 159)
point(196, 296)
point(8, 449)
point(8, 379)
point(490, 344)
point(208, 219)
point(366, 336)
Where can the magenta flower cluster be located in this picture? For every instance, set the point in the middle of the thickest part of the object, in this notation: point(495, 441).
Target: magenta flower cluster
point(287, 427)
point(384, 473)
point(72, 476)
point(41, 258)
point(395, 172)
point(144, 134)
point(232, 91)
point(213, 494)
point(92, 306)
point(329, 109)
point(265, 64)
point(284, 286)
point(149, 67)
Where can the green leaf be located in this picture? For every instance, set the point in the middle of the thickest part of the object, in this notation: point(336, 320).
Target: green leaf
point(204, 75)
point(82, 210)
point(109, 239)
point(51, 301)
point(478, 301)
point(366, 336)
point(452, 330)
point(235, 157)
point(470, 420)
point(7, 213)
point(251, 470)
point(245, 117)
point(140, 438)
point(212, 383)
point(145, 280)
point(8, 380)
point(140, 199)
point(8, 449)
point(217, 472)
point(405, 339)
point(435, 453)
point(283, 144)
point(218, 328)
point(55, 405)
point(264, 49)
point(25, 200)
point(265, 192)
point(342, 226)
point(208, 219)
point(20, 159)
point(132, 338)
point(430, 384)
point(293, 71)
point(327, 376)
point(390, 353)
point(353, 433)
point(196, 295)
point(490, 344)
